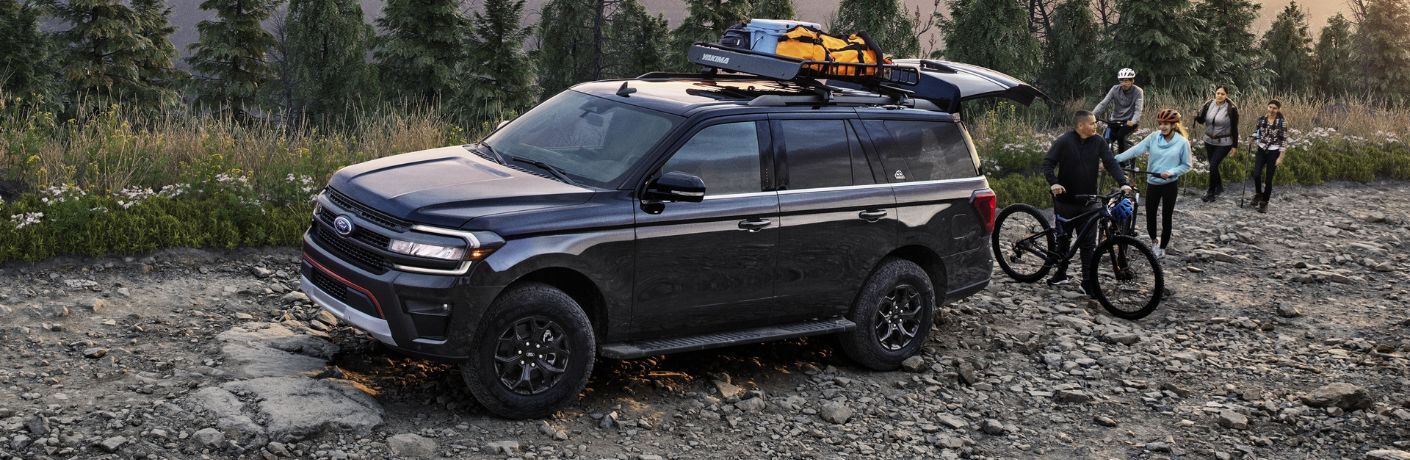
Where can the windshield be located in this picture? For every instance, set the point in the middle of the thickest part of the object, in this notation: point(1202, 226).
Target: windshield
point(592, 140)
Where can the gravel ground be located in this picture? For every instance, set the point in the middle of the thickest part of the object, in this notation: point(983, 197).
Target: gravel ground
point(1286, 337)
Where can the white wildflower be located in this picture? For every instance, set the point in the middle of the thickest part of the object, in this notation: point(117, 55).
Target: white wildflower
point(24, 220)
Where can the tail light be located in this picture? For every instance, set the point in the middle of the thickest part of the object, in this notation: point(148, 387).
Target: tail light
point(986, 204)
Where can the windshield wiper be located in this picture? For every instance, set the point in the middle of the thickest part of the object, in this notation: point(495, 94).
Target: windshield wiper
point(493, 154)
point(558, 173)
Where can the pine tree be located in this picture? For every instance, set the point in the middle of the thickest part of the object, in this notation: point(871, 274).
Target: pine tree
point(501, 83)
point(568, 50)
point(26, 53)
point(1333, 58)
point(885, 21)
point(1068, 72)
point(231, 56)
point(103, 44)
point(994, 34)
point(637, 41)
point(1384, 39)
point(1289, 47)
point(1225, 44)
point(1153, 38)
point(772, 9)
point(706, 22)
point(327, 44)
point(156, 71)
point(424, 40)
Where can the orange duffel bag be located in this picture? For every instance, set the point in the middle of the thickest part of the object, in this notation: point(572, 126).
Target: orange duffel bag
point(811, 44)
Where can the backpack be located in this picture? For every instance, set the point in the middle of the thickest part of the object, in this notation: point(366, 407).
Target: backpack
point(811, 44)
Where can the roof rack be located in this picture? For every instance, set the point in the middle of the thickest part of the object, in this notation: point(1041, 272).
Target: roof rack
point(895, 84)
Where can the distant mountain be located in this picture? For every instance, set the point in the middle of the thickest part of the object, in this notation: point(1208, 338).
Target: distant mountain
point(186, 13)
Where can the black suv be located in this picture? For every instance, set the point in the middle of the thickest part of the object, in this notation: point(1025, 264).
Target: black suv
point(661, 214)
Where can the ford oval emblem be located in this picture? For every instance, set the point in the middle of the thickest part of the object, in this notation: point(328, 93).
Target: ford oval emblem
point(343, 225)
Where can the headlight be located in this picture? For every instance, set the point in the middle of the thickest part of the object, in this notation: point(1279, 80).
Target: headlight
point(426, 250)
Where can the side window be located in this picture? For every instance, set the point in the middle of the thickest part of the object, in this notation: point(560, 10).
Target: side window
point(823, 153)
point(922, 150)
point(725, 156)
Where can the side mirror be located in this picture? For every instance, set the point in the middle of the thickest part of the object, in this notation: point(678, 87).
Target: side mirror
point(676, 186)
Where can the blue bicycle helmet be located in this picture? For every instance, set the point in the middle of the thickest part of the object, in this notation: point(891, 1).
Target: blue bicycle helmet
point(1122, 209)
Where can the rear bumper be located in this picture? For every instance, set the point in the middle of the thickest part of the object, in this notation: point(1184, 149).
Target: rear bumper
point(423, 315)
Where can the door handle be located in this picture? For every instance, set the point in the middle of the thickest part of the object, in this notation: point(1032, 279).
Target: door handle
point(754, 225)
point(872, 215)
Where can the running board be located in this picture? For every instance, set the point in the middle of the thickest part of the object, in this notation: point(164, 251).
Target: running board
point(642, 348)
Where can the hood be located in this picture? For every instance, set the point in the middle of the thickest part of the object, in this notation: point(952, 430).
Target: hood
point(448, 186)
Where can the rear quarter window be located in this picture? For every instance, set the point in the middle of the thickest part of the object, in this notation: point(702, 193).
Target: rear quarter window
point(917, 150)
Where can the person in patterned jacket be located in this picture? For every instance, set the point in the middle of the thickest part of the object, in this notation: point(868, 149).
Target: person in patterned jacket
point(1271, 138)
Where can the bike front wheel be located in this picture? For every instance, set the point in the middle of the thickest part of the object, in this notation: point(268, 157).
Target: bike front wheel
point(1022, 242)
point(1127, 278)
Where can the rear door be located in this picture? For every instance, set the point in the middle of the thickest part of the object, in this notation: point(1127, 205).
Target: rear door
point(934, 171)
point(838, 217)
point(706, 266)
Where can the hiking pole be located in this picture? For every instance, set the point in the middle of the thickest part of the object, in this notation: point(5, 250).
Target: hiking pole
point(1243, 188)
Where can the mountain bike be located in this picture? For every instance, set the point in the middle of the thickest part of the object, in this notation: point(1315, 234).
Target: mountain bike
point(1124, 274)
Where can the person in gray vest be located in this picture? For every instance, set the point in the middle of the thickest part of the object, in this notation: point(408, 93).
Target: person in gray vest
point(1221, 136)
point(1126, 101)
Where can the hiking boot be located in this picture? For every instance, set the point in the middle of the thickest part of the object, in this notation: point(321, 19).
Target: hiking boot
point(1089, 290)
point(1262, 206)
point(1208, 198)
point(1159, 252)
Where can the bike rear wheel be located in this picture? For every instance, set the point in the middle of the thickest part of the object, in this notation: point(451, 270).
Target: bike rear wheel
point(1126, 276)
point(1023, 242)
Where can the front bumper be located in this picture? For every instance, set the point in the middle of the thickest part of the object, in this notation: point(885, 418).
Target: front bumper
point(423, 315)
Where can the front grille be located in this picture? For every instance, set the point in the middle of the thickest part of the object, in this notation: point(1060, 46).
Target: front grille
point(361, 234)
point(366, 212)
point(328, 285)
point(362, 258)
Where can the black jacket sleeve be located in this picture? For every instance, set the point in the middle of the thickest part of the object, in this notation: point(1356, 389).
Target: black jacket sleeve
point(1050, 160)
point(1199, 119)
point(1112, 166)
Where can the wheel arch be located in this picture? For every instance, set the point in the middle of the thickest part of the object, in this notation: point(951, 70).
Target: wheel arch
point(929, 261)
point(578, 286)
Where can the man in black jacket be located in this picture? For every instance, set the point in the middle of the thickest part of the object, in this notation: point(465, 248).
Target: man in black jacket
point(1071, 169)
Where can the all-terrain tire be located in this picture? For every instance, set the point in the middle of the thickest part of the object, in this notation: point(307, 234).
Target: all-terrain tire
point(896, 285)
point(530, 320)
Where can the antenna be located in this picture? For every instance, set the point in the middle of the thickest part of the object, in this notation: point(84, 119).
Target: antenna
point(624, 91)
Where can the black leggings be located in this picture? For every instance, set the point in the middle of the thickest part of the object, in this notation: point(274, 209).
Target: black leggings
point(1158, 196)
point(1122, 134)
point(1265, 163)
point(1217, 154)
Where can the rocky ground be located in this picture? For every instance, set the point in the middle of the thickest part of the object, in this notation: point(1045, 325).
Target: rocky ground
point(1286, 337)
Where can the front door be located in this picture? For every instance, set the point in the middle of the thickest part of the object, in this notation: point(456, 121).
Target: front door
point(705, 266)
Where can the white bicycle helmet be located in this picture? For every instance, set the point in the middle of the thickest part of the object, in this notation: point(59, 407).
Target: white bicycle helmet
point(1126, 73)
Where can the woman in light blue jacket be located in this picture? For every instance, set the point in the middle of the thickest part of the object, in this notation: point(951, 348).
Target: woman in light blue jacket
point(1169, 150)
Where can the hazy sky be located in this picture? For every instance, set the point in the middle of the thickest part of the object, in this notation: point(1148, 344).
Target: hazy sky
point(185, 13)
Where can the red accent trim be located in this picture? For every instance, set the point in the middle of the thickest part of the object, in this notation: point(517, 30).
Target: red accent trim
point(350, 284)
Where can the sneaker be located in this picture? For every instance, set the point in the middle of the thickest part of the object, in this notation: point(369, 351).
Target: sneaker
point(1159, 252)
point(1059, 280)
point(1208, 198)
